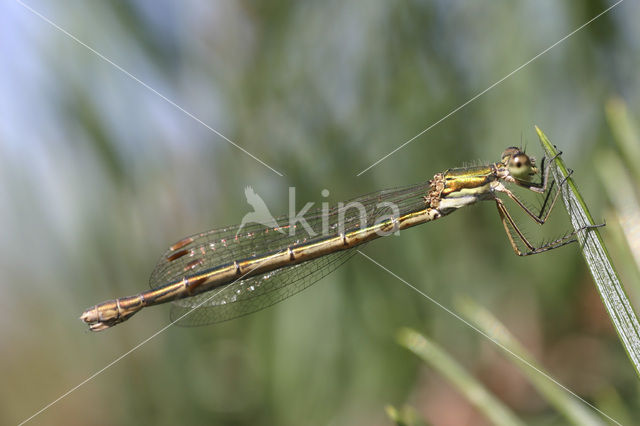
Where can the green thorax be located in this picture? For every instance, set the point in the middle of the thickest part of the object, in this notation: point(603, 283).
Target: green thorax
point(469, 179)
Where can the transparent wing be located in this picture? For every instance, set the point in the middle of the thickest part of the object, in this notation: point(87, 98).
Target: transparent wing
point(201, 252)
point(253, 294)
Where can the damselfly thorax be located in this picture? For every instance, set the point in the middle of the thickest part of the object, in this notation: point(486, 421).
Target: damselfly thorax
point(229, 272)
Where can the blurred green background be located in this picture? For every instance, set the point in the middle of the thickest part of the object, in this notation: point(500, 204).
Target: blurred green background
point(98, 175)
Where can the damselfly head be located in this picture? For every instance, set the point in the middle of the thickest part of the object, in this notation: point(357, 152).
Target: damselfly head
point(519, 164)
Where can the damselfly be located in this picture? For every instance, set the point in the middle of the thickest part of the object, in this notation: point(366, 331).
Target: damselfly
point(228, 272)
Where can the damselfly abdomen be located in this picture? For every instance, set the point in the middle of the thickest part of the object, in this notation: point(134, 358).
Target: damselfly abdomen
point(228, 272)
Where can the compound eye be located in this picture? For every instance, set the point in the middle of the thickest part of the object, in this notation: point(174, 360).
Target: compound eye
point(519, 161)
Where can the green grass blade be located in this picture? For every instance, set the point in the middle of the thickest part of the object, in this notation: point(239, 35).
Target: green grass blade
point(474, 391)
point(625, 133)
point(607, 282)
point(620, 189)
point(574, 410)
point(405, 416)
point(619, 170)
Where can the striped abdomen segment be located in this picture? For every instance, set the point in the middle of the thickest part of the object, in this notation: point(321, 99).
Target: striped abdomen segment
point(112, 312)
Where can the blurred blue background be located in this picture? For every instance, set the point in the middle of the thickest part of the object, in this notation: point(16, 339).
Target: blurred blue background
point(99, 174)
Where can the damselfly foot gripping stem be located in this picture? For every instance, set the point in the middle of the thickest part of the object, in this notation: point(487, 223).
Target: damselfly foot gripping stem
point(229, 272)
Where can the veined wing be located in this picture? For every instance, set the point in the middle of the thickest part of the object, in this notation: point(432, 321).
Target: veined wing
point(200, 252)
point(253, 294)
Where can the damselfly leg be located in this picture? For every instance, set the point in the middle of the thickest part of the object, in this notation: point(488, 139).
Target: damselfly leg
point(232, 271)
point(511, 228)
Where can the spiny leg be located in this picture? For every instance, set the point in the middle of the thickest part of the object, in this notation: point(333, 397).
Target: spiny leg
point(507, 221)
point(539, 217)
point(511, 228)
point(555, 197)
point(540, 187)
point(546, 199)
